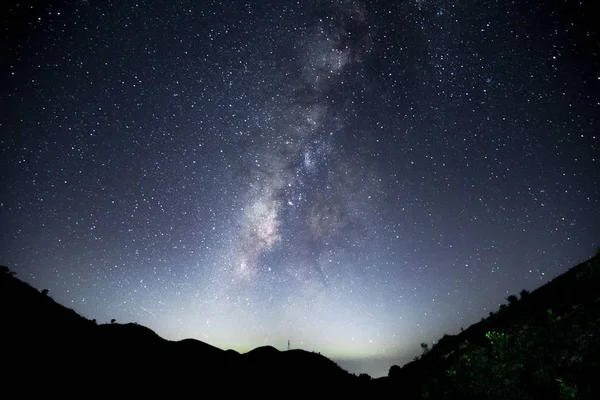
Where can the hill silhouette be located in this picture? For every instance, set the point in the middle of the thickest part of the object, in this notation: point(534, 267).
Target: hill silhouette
point(44, 341)
point(543, 344)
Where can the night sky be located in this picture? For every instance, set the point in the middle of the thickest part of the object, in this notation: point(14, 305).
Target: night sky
point(356, 177)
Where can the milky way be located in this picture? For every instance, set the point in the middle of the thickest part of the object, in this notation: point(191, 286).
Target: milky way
point(355, 177)
point(289, 175)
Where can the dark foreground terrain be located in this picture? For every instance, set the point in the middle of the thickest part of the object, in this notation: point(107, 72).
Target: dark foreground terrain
point(48, 347)
point(542, 345)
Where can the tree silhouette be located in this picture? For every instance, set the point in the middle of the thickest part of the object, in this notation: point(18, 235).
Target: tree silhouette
point(45, 292)
point(394, 372)
point(112, 321)
point(512, 299)
point(425, 348)
point(523, 293)
point(5, 270)
point(364, 377)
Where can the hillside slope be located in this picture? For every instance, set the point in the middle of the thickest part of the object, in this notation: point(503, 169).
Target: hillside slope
point(543, 345)
point(44, 341)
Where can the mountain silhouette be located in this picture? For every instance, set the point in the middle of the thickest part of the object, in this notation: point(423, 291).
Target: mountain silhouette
point(44, 341)
point(542, 345)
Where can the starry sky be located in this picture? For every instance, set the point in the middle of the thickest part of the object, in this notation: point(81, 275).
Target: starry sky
point(356, 177)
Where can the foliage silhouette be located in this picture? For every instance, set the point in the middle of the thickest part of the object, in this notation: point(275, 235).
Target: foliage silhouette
point(394, 372)
point(364, 377)
point(544, 346)
point(6, 271)
point(512, 299)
